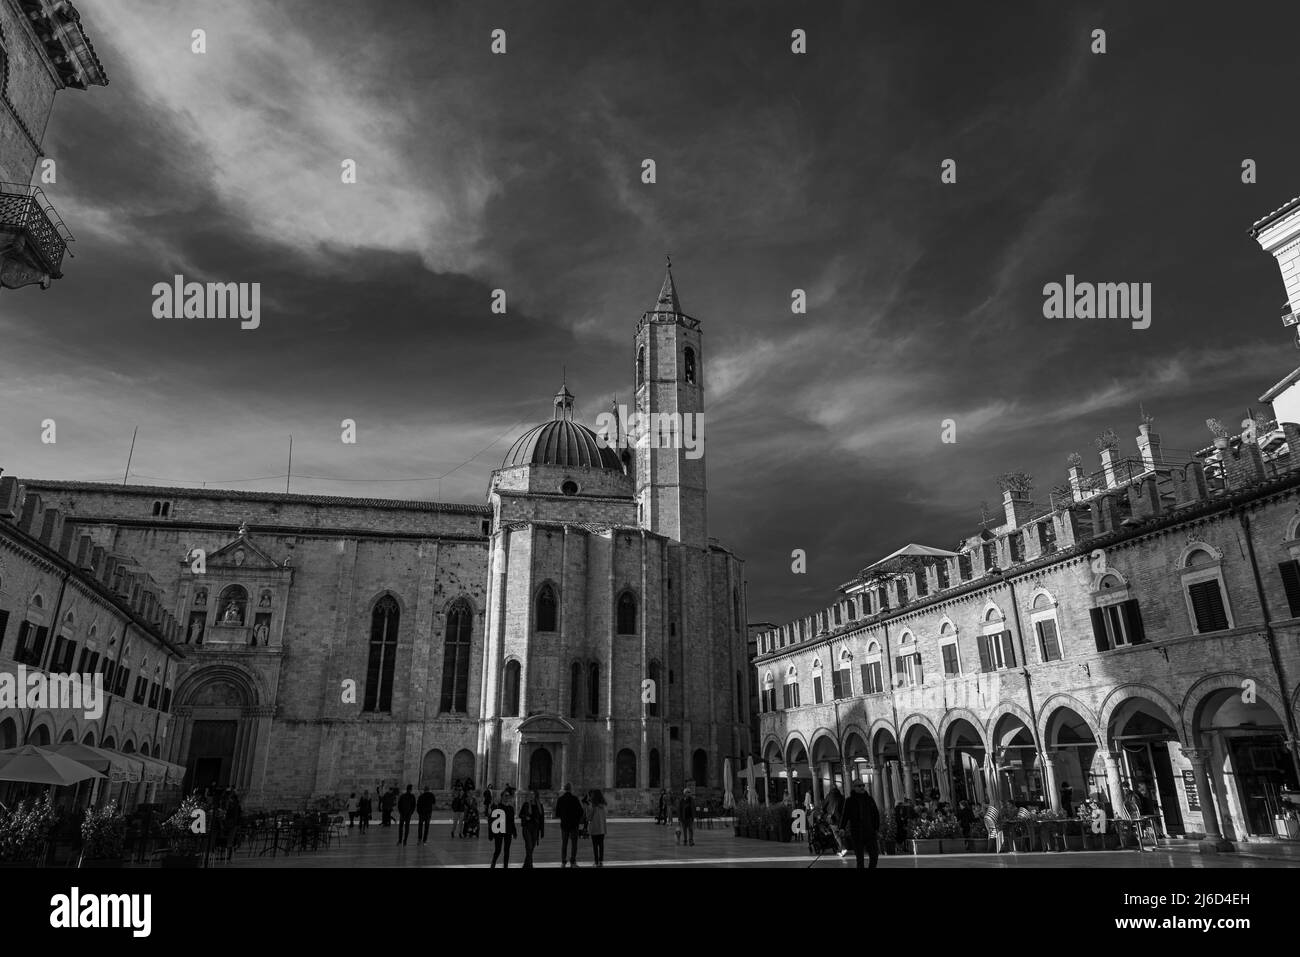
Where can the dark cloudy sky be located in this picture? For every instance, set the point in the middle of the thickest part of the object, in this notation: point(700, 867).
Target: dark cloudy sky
point(775, 172)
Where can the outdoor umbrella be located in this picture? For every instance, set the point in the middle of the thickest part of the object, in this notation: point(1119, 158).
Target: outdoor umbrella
point(749, 776)
point(728, 798)
point(896, 772)
point(38, 766)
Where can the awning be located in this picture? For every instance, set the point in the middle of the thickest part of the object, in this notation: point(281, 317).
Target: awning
point(114, 764)
point(162, 772)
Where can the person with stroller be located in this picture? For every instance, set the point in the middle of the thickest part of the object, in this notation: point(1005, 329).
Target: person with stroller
point(833, 807)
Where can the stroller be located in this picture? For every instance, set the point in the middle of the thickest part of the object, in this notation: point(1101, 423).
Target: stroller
point(821, 836)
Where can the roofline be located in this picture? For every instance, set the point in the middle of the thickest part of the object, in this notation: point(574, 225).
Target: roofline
point(247, 496)
point(1276, 390)
point(1263, 224)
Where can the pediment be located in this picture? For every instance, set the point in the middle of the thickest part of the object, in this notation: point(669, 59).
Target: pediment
point(545, 724)
point(242, 552)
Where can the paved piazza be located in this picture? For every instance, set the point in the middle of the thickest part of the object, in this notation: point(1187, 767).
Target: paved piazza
point(643, 844)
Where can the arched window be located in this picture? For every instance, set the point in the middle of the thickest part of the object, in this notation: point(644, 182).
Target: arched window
point(1042, 615)
point(545, 609)
point(625, 769)
point(575, 689)
point(455, 658)
point(1203, 587)
point(949, 650)
point(842, 676)
point(510, 703)
point(593, 689)
point(627, 613)
point(654, 768)
point(689, 361)
point(652, 706)
point(433, 770)
point(817, 680)
point(700, 768)
point(383, 655)
point(640, 367)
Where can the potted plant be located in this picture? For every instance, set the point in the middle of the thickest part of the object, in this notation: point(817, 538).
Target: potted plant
point(103, 837)
point(184, 845)
point(926, 836)
point(980, 841)
point(1051, 824)
point(888, 834)
point(25, 832)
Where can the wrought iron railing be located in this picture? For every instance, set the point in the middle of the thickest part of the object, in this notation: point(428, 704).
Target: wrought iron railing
point(25, 209)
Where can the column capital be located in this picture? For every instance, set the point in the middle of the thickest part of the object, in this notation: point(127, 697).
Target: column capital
point(1196, 755)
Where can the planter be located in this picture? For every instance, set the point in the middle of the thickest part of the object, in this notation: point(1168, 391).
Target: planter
point(1074, 842)
point(181, 860)
point(932, 845)
point(891, 847)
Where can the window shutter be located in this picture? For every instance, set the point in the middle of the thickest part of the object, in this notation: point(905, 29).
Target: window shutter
point(1207, 603)
point(1133, 621)
point(866, 679)
point(1290, 581)
point(920, 675)
point(1099, 629)
point(1008, 650)
point(986, 660)
point(900, 672)
point(4, 624)
point(38, 646)
point(1049, 645)
point(817, 690)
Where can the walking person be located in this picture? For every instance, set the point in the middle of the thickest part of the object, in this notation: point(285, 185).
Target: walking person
point(1067, 798)
point(457, 808)
point(833, 807)
point(686, 817)
point(386, 804)
point(424, 808)
point(405, 808)
point(364, 810)
point(597, 817)
point(862, 823)
point(352, 807)
point(569, 811)
point(532, 822)
point(501, 824)
point(469, 821)
point(663, 814)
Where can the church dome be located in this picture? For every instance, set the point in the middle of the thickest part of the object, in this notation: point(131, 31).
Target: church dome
point(562, 442)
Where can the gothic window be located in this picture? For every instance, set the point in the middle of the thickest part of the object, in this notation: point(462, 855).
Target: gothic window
point(455, 659)
point(575, 690)
point(625, 769)
point(546, 609)
point(593, 689)
point(640, 367)
point(510, 705)
point(383, 655)
point(700, 768)
point(627, 613)
point(689, 357)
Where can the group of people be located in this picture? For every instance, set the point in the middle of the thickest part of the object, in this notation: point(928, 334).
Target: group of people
point(684, 809)
point(854, 822)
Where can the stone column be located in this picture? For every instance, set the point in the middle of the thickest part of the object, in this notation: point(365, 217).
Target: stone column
point(878, 785)
point(945, 783)
point(1214, 841)
point(1050, 781)
point(887, 779)
point(1114, 786)
point(908, 786)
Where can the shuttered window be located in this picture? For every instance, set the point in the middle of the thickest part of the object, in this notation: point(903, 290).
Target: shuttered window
point(817, 689)
point(1049, 643)
point(950, 664)
point(871, 679)
point(997, 651)
point(1207, 606)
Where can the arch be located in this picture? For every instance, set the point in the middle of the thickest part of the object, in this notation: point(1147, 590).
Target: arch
point(1051, 708)
point(1041, 599)
point(627, 613)
point(640, 366)
point(991, 613)
point(40, 735)
point(88, 739)
point(625, 769)
point(948, 725)
point(1189, 552)
point(855, 744)
point(457, 647)
point(129, 747)
point(772, 750)
point(1204, 691)
point(817, 666)
point(1127, 692)
point(385, 621)
point(1001, 710)
point(795, 744)
point(433, 770)
point(462, 765)
point(1110, 580)
point(545, 608)
point(8, 734)
point(906, 637)
point(700, 767)
point(883, 739)
point(873, 647)
point(909, 734)
point(247, 684)
point(823, 741)
point(510, 689)
point(947, 628)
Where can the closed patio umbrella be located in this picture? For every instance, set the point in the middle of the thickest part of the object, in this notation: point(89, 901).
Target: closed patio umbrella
point(35, 765)
point(749, 776)
point(728, 797)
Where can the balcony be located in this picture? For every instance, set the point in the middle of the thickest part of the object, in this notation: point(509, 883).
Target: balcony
point(33, 239)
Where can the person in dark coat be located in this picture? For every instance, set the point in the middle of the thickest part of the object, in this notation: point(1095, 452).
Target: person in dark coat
point(862, 823)
point(386, 804)
point(569, 811)
point(1067, 798)
point(424, 808)
point(663, 815)
point(364, 810)
point(501, 825)
point(532, 821)
point(686, 816)
point(833, 808)
point(405, 808)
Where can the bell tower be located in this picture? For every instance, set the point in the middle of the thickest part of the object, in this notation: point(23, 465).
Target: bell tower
point(668, 429)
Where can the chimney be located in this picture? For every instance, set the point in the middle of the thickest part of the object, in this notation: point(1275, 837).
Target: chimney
point(1109, 465)
point(68, 541)
point(11, 494)
point(32, 512)
point(1148, 443)
point(1076, 477)
point(52, 528)
point(1017, 506)
point(97, 556)
point(1277, 233)
point(1243, 465)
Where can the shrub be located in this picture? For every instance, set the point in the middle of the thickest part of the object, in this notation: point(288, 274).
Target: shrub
point(25, 829)
point(103, 833)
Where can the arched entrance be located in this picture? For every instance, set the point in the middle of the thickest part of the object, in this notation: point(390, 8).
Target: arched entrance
point(798, 775)
point(539, 769)
point(462, 766)
point(222, 723)
point(887, 783)
point(922, 763)
point(857, 756)
point(1148, 746)
point(1019, 776)
point(433, 770)
point(773, 781)
point(966, 757)
point(826, 767)
point(1078, 768)
point(1248, 760)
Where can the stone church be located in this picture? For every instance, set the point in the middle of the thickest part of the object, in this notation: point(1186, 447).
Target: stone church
point(581, 626)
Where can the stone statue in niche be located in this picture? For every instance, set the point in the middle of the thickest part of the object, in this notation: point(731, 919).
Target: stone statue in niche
point(196, 630)
point(261, 634)
point(265, 601)
point(233, 615)
point(202, 597)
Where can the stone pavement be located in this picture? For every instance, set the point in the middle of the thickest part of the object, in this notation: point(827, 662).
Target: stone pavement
point(644, 844)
